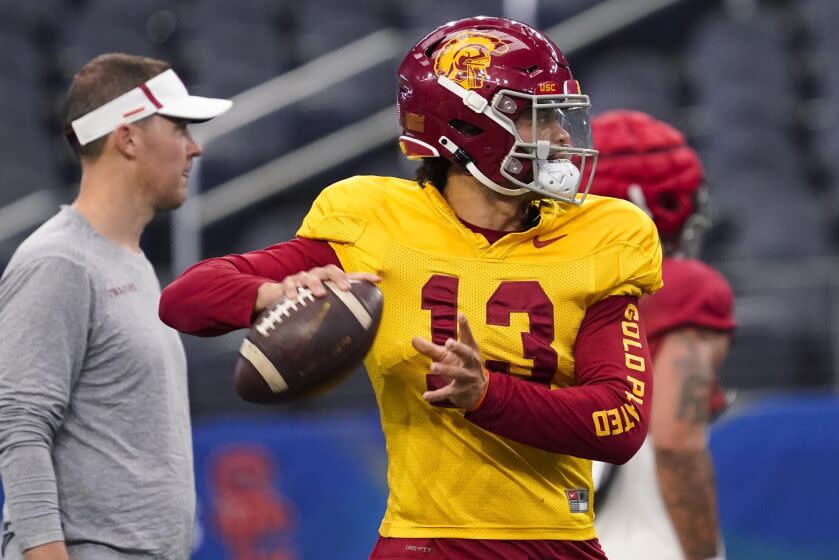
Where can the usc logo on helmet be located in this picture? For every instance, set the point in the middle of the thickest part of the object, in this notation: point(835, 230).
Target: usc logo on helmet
point(464, 58)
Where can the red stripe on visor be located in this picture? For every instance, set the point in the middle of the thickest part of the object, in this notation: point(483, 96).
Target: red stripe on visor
point(151, 96)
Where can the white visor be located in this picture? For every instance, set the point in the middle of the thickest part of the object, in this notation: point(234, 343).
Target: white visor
point(165, 94)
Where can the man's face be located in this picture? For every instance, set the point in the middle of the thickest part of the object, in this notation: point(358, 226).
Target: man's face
point(166, 160)
point(548, 127)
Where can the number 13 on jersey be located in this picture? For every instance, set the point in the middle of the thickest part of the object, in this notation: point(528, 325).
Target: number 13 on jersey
point(440, 297)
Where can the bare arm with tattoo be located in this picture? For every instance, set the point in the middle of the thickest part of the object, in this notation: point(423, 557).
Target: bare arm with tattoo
point(685, 366)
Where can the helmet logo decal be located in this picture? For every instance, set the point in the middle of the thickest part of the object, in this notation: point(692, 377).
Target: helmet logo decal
point(465, 58)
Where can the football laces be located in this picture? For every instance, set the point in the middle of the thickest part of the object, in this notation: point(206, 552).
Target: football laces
point(283, 310)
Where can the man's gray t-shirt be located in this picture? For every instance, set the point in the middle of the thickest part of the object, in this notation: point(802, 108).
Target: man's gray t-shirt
point(95, 441)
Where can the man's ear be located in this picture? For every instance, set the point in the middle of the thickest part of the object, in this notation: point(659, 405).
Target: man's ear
point(125, 139)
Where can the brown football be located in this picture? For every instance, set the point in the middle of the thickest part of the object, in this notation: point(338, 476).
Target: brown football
point(300, 346)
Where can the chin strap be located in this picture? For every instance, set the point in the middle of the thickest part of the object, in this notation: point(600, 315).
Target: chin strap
point(463, 159)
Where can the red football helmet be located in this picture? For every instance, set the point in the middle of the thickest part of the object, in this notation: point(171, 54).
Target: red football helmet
point(648, 162)
point(497, 97)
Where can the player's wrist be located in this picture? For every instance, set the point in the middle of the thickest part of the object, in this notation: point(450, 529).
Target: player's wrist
point(266, 293)
point(483, 396)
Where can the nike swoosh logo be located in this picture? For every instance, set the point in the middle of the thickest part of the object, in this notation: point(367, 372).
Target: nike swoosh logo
point(540, 243)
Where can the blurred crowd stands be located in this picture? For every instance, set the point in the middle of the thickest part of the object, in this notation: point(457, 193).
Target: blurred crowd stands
point(755, 85)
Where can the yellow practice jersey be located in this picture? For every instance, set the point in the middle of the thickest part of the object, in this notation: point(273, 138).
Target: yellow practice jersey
point(524, 296)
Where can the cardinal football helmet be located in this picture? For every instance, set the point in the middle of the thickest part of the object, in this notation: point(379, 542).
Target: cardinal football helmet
point(497, 97)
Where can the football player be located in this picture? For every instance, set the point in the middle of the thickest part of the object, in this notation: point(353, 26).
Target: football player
point(491, 423)
point(664, 499)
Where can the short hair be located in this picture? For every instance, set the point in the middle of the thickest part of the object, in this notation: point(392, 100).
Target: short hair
point(435, 171)
point(101, 80)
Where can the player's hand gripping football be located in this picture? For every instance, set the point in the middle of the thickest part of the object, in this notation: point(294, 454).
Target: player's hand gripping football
point(312, 279)
point(458, 362)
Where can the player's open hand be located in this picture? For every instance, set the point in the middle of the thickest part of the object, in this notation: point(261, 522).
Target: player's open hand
point(312, 279)
point(459, 363)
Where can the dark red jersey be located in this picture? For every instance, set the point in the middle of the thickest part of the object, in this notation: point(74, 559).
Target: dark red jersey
point(694, 295)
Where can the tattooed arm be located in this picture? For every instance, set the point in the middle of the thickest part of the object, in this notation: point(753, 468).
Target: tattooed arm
point(685, 367)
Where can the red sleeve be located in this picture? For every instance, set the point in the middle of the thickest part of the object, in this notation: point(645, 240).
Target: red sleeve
point(605, 417)
point(694, 295)
point(217, 295)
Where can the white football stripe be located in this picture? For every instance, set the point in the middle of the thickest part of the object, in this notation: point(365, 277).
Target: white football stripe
point(264, 366)
point(352, 304)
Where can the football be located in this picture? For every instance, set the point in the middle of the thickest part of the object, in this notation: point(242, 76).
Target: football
point(304, 345)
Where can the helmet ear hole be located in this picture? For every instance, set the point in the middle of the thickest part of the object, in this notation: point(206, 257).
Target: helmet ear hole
point(669, 201)
point(466, 129)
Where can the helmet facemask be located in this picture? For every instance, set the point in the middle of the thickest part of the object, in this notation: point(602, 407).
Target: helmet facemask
point(552, 154)
point(697, 225)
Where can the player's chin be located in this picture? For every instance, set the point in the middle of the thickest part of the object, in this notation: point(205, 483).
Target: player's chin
point(533, 196)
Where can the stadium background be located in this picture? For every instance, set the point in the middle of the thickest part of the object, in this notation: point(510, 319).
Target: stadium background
point(755, 84)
